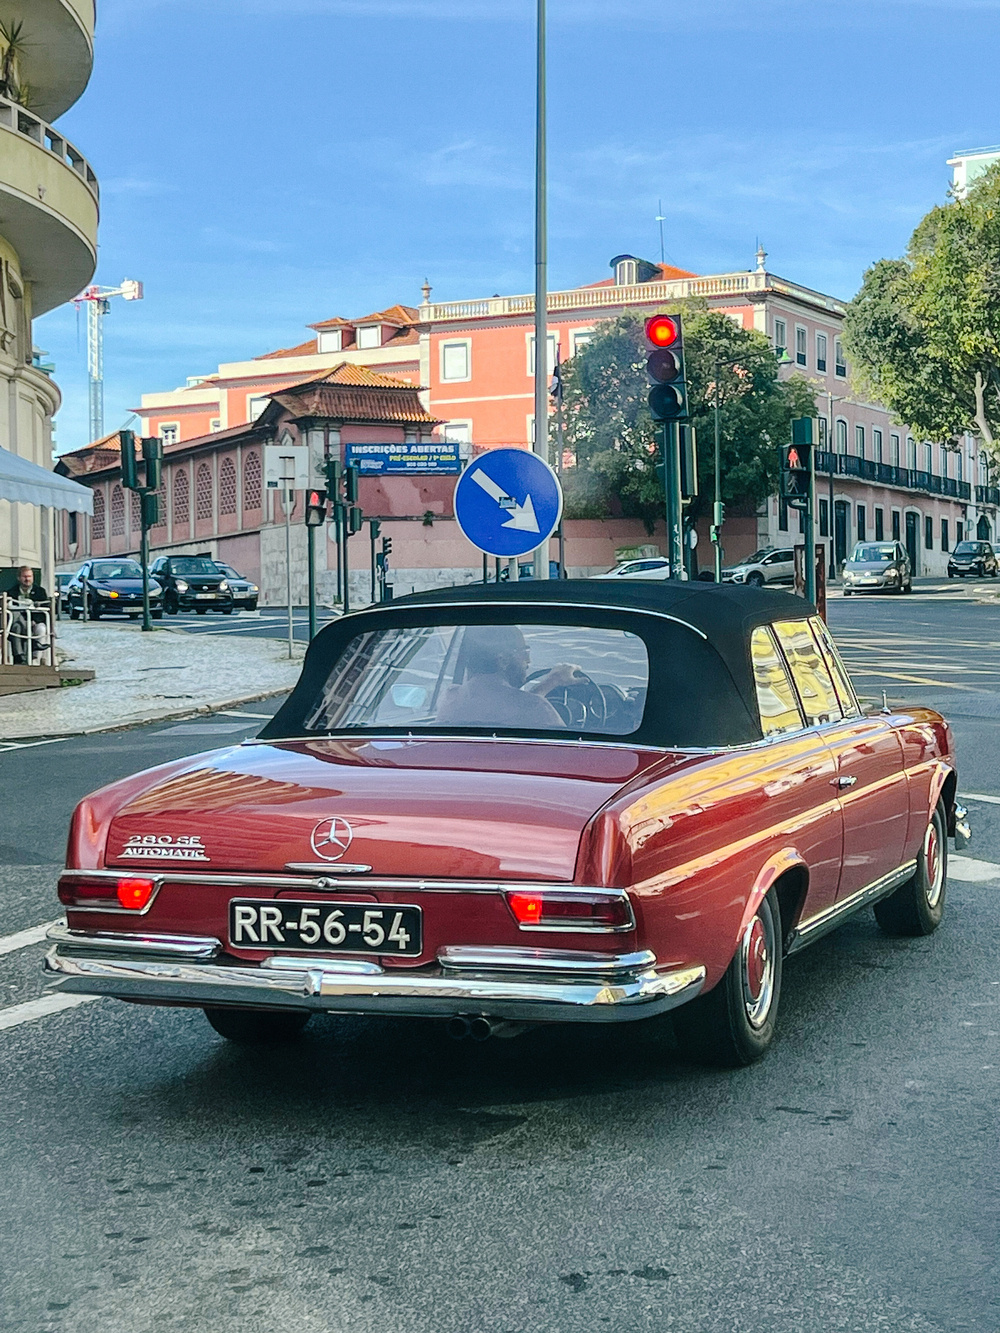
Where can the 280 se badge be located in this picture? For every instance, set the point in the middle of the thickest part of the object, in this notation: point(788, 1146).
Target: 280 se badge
point(347, 927)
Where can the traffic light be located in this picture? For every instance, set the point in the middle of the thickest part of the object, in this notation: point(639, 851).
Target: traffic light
point(130, 473)
point(689, 462)
point(152, 452)
point(374, 528)
point(556, 385)
point(665, 368)
point(386, 546)
point(351, 486)
point(315, 508)
point(355, 518)
point(795, 470)
point(150, 509)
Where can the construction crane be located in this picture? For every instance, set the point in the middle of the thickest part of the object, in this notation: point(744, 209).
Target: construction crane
point(98, 301)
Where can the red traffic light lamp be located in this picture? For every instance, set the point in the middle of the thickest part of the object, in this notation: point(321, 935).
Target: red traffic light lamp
point(662, 330)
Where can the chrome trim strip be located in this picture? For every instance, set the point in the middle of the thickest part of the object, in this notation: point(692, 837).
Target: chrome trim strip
point(353, 734)
point(827, 920)
point(496, 957)
point(187, 947)
point(325, 867)
point(529, 997)
point(572, 606)
point(300, 963)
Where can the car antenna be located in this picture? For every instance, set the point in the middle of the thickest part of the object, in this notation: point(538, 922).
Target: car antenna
point(885, 704)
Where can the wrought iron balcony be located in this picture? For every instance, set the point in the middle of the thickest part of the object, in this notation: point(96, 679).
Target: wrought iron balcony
point(988, 495)
point(905, 478)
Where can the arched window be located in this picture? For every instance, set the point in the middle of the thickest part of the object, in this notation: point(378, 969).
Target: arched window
point(203, 492)
point(227, 487)
point(136, 510)
point(117, 511)
point(97, 525)
point(182, 496)
point(251, 481)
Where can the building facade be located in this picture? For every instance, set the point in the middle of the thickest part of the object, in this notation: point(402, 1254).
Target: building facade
point(48, 238)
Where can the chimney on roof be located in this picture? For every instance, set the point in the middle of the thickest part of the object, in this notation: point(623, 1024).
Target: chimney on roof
point(761, 258)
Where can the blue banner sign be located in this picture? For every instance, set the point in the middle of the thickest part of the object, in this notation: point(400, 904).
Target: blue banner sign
point(398, 459)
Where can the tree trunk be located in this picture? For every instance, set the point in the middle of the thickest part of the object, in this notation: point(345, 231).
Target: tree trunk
point(981, 418)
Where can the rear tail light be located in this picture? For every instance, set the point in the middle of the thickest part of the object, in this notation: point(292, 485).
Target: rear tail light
point(129, 891)
point(564, 910)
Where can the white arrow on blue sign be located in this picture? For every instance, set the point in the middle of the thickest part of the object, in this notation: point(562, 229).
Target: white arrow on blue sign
point(508, 502)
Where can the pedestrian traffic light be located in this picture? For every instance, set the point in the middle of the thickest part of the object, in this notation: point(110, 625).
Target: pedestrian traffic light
point(355, 518)
point(130, 473)
point(150, 509)
point(795, 471)
point(315, 508)
point(152, 453)
point(665, 367)
point(351, 486)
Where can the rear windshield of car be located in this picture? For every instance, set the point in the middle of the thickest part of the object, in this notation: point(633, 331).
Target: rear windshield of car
point(873, 555)
point(116, 569)
point(541, 678)
point(191, 565)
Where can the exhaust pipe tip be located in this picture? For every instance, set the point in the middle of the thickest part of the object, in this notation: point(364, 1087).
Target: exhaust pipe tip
point(480, 1029)
point(458, 1028)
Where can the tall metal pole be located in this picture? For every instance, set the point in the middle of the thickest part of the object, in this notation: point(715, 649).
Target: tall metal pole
point(311, 578)
point(810, 533)
point(288, 561)
point(147, 623)
point(541, 445)
point(671, 446)
point(831, 524)
point(717, 502)
point(560, 532)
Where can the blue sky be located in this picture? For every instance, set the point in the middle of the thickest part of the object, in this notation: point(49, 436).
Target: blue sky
point(268, 163)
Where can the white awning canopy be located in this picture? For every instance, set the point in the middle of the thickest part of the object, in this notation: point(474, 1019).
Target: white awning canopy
point(33, 485)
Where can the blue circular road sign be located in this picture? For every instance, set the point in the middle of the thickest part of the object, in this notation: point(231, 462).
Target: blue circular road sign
point(508, 502)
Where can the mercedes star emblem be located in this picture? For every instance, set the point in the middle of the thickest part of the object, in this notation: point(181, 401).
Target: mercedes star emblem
point(331, 838)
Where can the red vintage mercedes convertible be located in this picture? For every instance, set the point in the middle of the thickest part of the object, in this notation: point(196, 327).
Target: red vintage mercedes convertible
point(531, 803)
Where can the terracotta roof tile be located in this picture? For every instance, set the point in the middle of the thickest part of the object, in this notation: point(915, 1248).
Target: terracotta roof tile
point(335, 323)
point(355, 393)
point(304, 349)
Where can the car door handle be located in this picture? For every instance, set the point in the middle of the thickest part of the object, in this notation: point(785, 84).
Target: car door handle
point(843, 782)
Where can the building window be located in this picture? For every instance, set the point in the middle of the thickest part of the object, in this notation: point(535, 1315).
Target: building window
point(911, 453)
point(215, 424)
point(117, 511)
point(841, 436)
point(170, 433)
point(958, 465)
point(203, 492)
point(580, 338)
point(553, 342)
point(369, 335)
point(782, 515)
point(455, 360)
point(824, 518)
point(626, 273)
point(72, 526)
point(461, 431)
point(839, 364)
point(859, 441)
point(97, 525)
point(821, 351)
point(780, 336)
point(251, 480)
point(824, 433)
point(944, 535)
point(879, 523)
point(800, 345)
point(928, 458)
point(894, 450)
point(895, 525)
point(877, 445)
point(227, 487)
point(182, 497)
point(929, 533)
point(862, 523)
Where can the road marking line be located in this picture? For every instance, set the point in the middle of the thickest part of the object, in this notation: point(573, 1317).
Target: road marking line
point(27, 745)
point(24, 938)
point(973, 871)
point(264, 717)
point(990, 800)
point(42, 1008)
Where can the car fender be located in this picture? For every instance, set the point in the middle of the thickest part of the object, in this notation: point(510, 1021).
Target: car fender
point(778, 864)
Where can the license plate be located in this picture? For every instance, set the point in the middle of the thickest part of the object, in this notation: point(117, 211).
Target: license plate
point(204, 594)
point(322, 927)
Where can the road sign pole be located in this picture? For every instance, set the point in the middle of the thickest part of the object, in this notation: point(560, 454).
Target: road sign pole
point(147, 623)
point(541, 443)
point(288, 562)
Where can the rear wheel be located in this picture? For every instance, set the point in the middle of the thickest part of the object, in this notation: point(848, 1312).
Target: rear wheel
point(95, 612)
point(258, 1027)
point(734, 1023)
point(916, 908)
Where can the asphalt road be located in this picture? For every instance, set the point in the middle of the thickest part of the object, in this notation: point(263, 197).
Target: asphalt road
point(378, 1177)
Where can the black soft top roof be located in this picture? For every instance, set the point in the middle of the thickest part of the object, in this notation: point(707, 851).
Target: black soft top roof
point(705, 691)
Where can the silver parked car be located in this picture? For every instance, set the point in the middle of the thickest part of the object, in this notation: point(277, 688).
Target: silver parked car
point(648, 567)
point(878, 567)
point(770, 565)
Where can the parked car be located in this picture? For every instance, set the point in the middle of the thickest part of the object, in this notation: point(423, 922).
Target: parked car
point(244, 592)
point(62, 585)
point(648, 567)
point(192, 583)
point(502, 805)
point(769, 565)
point(112, 587)
point(878, 566)
point(526, 570)
point(973, 558)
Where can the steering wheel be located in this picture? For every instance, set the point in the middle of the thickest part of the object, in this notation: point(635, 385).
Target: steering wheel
point(581, 705)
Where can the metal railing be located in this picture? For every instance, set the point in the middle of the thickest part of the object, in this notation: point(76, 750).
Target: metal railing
point(15, 117)
point(27, 632)
point(988, 495)
point(888, 474)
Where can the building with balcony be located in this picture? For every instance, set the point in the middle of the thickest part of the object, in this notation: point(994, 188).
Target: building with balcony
point(48, 239)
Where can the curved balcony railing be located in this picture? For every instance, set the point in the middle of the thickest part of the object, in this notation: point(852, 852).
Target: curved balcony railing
point(888, 474)
point(16, 118)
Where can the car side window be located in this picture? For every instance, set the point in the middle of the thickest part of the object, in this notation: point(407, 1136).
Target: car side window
point(809, 671)
point(776, 702)
point(835, 665)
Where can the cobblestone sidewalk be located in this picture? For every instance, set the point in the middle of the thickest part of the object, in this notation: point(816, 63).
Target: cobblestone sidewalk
point(146, 678)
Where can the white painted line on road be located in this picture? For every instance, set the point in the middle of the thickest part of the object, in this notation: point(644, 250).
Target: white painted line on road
point(972, 871)
point(990, 800)
point(42, 1008)
point(24, 938)
point(27, 745)
point(263, 717)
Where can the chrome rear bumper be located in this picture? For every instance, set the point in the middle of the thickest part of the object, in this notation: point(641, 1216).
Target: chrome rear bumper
point(526, 985)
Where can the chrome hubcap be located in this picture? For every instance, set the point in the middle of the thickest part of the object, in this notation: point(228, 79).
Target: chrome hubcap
point(934, 862)
point(757, 968)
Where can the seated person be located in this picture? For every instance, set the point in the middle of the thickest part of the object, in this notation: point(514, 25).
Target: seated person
point(494, 692)
point(29, 632)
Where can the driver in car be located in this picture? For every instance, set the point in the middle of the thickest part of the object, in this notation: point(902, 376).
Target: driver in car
point(496, 690)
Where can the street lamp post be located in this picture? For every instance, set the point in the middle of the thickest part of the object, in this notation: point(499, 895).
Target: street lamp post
point(541, 442)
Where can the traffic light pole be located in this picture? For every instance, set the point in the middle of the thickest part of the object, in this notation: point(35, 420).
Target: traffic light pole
point(147, 623)
point(810, 525)
point(671, 446)
point(287, 493)
point(541, 443)
point(311, 578)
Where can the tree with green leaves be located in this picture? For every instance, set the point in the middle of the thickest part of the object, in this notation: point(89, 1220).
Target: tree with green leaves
point(924, 331)
point(609, 429)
